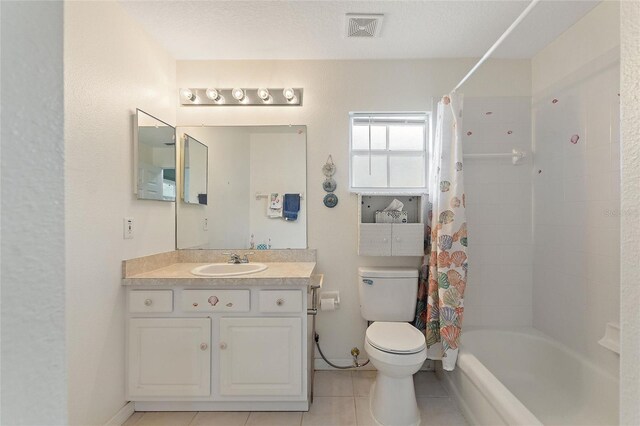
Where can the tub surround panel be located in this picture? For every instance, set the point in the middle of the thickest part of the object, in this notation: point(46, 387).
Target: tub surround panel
point(576, 183)
point(498, 196)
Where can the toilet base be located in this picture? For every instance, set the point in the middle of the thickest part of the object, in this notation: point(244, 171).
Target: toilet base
point(392, 401)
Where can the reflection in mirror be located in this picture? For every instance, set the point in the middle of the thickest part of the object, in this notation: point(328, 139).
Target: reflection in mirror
point(247, 166)
point(194, 178)
point(155, 148)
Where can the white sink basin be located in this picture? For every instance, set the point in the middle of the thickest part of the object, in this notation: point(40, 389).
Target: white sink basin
point(228, 269)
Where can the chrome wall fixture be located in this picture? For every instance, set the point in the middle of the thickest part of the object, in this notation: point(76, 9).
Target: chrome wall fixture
point(238, 96)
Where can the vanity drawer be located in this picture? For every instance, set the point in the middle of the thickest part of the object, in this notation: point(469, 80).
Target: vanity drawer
point(142, 301)
point(216, 301)
point(280, 301)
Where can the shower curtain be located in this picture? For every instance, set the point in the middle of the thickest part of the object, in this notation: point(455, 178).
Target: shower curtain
point(444, 268)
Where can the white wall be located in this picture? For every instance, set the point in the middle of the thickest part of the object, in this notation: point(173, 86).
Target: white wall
point(277, 164)
point(111, 67)
point(34, 371)
point(577, 186)
point(630, 231)
point(332, 90)
point(498, 194)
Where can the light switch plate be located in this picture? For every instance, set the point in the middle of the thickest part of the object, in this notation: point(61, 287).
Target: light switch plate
point(128, 228)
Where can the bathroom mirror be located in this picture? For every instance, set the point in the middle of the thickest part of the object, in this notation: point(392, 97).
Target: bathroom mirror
point(194, 171)
point(155, 158)
point(246, 166)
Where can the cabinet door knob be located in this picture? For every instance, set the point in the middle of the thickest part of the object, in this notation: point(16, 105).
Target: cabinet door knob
point(398, 239)
point(203, 346)
point(384, 240)
point(223, 345)
point(280, 302)
point(148, 302)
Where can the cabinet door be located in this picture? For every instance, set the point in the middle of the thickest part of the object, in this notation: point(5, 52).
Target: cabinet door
point(169, 357)
point(407, 239)
point(374, 239)
point(261, 356)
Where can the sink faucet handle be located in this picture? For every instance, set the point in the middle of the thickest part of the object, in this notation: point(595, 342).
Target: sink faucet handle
point(245, 259)
point(234, 258)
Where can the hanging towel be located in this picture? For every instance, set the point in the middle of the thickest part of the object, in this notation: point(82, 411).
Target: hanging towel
point(291, 206)
point(274, 206)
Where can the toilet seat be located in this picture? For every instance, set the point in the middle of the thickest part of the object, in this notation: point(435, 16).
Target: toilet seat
point(398, 338)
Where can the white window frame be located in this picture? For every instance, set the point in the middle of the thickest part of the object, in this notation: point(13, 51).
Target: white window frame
point(426, 145)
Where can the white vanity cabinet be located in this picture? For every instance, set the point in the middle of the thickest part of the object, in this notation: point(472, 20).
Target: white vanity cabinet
point(228, 348)
point(260, 356)
point(169, 356)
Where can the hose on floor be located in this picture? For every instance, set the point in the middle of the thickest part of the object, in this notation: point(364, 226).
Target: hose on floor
point(356, 364)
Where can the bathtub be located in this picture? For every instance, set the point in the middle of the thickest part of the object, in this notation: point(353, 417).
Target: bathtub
point(523, 377)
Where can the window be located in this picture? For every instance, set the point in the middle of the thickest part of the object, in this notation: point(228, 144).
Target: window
point(388, 151)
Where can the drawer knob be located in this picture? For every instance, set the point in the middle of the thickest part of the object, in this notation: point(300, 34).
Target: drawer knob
point(280, 302)
point(398, 239)
point(203, 346)
point(229, 305)
point(195, 305)
point(148, 302)
point(223, 345)
point(384, 240)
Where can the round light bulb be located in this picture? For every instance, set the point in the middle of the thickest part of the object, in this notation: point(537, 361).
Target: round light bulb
point(188, 94)
point(238, 94)
point(289, 94)
point(213, 94)
point(263, 94)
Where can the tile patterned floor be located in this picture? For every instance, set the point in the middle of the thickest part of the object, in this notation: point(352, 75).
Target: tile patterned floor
point(341, 398)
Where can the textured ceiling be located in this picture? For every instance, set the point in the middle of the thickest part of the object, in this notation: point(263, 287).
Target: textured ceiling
point(198, 30)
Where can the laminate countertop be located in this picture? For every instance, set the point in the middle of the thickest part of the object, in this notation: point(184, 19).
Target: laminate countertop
point(179, 275)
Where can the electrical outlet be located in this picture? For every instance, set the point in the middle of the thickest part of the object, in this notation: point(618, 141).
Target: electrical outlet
point(205, 224)
point(128, 228)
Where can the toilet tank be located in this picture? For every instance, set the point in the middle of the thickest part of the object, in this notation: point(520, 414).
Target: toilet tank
point(387, 294)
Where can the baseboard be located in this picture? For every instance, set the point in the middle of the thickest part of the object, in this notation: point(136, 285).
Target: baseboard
point(321, 364)
point(122, 415)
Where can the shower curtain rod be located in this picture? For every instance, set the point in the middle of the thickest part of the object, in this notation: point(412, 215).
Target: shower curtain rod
point(515, 23)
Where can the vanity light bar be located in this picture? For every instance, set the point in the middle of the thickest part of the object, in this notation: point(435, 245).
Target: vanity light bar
point(210, 96)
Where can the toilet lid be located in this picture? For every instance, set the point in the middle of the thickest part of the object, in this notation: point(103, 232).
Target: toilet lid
point(395, 337)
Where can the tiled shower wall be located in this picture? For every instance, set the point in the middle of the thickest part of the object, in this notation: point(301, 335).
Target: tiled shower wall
point(499, 290)
point(576, 183)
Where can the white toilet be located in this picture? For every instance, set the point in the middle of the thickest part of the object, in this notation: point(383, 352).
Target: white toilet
point(395, 347)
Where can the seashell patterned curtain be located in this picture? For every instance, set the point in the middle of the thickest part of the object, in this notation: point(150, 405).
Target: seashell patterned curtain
point(443, 275)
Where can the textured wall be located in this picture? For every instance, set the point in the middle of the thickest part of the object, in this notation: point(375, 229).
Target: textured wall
point(576, 206)
point(34, 373)
point(332, 90)
point(111, 67)
point(630, 231)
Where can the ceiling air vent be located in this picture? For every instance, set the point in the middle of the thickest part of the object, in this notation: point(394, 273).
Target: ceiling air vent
point(363, 25)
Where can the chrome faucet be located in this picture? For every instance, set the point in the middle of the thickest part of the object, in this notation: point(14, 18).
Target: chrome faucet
point(235, 258)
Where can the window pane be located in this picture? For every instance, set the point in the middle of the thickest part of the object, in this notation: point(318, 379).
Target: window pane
point(360, 170)
point(406, 138)
point(407, 171)
point(360, 135)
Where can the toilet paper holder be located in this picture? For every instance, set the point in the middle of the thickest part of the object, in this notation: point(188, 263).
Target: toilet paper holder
point(330, 295)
